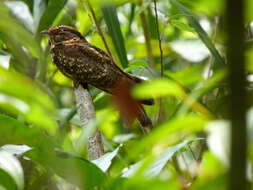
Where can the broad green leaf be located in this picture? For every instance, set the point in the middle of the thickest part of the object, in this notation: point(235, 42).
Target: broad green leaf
point(112, 22)
point(157, 88)
point(73, 169)
point(21, 96)
point(193, 21)
point(9, 165)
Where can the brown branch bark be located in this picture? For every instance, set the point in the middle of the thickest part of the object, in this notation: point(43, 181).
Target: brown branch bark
point(87, 114)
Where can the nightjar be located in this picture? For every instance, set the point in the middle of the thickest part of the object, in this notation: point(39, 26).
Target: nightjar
point(87, 64)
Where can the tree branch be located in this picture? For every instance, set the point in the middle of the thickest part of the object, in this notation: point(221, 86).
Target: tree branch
point(87, 113)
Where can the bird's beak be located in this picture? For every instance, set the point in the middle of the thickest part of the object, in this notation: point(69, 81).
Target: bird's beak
point(45, 32)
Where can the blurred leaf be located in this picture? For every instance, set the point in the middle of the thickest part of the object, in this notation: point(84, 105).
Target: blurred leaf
point(210, 8)
point(141, 183)
point(74, 169)
point(16, 150)
point(157, 88)
point(187, 76)
point(18, 37)
point(9, 165)
point(139, 49)
point(200, 31)
point(204, 87)
point(39, 7)
point(249, 14)
point(211, 174)
point(168, 133)
point(21, 11)
point(112, 22)
point(21, 96)
point(156, 167)
point(50, 13)
point(105, 161)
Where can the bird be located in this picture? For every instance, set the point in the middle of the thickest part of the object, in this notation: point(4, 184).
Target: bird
point(86, 64)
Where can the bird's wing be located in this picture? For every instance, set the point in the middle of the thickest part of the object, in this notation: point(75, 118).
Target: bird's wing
point(99, 53)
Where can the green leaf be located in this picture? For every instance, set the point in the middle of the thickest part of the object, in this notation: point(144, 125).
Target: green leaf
point(136, 65)
point(18, 37)
point(20, 96)
point(157, 88)
point(200, 31)
point(112, 22)
point(156, 167)
point(105, 161)
point(73, 169)
point(10, 167)
point(50, 13)
point(167, 133)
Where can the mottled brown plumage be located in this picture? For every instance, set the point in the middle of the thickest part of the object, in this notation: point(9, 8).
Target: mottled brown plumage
point(87, 64)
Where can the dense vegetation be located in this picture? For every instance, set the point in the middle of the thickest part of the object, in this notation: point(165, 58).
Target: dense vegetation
point(179, 45)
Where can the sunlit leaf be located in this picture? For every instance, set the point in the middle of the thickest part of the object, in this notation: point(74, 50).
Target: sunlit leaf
point(157, 88)
point(21, 96)
point(105, 161)
point(9, 165)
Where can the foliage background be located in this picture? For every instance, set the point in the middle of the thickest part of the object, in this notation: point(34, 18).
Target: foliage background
point(42, 144)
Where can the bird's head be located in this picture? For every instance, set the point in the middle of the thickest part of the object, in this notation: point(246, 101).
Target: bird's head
point(62, 33)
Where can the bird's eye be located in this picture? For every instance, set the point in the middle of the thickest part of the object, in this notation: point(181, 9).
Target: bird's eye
point(61, 30)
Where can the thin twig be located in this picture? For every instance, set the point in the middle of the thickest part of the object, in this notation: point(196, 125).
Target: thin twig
point(159, 39)
point(87, 114)
point(161, 58)
point(98, 27)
